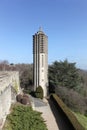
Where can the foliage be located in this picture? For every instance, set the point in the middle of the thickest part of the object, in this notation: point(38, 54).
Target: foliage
point(85, 113)
point(72, 99)
point(67, 112)
point(70, 84)
point(27, 91)
point(19, 97)
point(82, 119)
point(4, 65)
point(64, 74)
point(26, 75)
point(24, 118)
point(39, 92)
point(83, 74)
point(24, 99)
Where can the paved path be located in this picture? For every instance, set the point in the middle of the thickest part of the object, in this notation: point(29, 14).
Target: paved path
point(55, 120)
point(48, 117)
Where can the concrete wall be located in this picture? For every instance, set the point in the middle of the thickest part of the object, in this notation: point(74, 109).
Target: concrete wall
point(9, 87)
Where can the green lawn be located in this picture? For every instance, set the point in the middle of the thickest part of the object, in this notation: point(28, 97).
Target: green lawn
point(82, 119)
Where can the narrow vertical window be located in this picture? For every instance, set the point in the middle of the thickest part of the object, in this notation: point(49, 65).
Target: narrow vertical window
point(42, 61)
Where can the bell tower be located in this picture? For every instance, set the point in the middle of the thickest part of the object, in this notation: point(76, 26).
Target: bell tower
point(40, 60)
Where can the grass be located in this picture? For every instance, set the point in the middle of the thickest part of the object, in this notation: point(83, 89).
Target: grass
point(82, 119)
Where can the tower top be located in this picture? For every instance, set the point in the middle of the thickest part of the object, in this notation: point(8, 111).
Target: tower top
point(40, 30)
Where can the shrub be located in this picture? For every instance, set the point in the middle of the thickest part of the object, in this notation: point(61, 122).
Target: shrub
point(85, 113)
point(39, 92)
point(72, 99)
point(32, 93)
point(24, 118)
point(19, 97)
point(26, 91)
point(25, 101)
point(25, 95)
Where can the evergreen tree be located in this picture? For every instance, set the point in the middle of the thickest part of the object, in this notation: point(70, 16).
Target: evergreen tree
point(64, 74)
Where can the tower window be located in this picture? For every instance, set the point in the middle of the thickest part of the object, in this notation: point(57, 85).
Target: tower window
point(42, 61)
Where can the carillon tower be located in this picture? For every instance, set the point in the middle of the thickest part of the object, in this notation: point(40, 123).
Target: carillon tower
point(40, 60)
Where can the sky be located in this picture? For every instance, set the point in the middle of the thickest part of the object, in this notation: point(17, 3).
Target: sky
point(63, 21)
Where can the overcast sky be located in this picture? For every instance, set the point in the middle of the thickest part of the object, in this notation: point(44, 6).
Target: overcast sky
point(63, 21)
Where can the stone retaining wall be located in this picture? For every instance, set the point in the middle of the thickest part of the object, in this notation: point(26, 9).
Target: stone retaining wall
point(9, 87)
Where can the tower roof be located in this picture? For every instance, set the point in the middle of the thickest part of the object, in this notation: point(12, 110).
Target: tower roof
point(40, 31)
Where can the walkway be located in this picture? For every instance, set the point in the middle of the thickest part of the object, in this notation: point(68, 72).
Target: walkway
point(55, 120)
point(48, 117)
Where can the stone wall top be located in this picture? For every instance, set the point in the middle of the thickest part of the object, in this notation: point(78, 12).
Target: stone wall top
point(7, 78)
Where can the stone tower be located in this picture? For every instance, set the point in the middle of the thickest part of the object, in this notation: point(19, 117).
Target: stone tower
point(40, 61)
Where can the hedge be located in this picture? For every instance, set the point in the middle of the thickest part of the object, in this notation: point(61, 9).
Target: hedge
point(72, 118)
point(39, 92)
